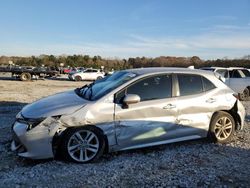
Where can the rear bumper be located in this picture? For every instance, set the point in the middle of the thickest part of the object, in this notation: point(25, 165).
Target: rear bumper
point(242, 113)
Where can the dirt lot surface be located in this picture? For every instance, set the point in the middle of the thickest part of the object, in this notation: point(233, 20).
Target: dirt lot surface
point(196, 163)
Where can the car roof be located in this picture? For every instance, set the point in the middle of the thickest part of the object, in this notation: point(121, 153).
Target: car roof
point(92, 69)
point(150, 70)
point(227, 68)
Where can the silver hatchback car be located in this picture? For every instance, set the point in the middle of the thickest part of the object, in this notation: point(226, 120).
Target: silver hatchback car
point(129, 109)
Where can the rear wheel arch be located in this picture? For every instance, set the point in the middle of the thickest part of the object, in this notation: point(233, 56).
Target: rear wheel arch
point(236, 118)
point(222, 127)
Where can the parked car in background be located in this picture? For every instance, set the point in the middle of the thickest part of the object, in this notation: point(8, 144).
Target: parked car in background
point(129, 109)
point(66, 70)
point(87, 74)
point(237, 78)
point(75, 70)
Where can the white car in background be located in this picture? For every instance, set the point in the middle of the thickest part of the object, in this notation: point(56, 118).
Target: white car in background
point(87, 74)
point(237, 78)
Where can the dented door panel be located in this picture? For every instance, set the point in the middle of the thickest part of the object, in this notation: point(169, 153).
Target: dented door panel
point(195, 111)
point(145, 122)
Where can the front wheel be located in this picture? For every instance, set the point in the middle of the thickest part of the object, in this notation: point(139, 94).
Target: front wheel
point(83, 145)
point(78, 78)
point(99, 78)
point(222, 127)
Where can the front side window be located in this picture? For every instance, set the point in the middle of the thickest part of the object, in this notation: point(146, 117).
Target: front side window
point(235, 74)
point(223, 72)
point(89, 70)
point(150, 88)
point(190, 84)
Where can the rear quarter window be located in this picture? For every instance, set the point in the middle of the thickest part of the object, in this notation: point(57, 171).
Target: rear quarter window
point(207, 84)
point(190, 84)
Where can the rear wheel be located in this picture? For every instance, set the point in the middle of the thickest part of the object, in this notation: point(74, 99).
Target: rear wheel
point(83, 145)
point(244, 96)
point(222, 127)
point(25, 76)
point(99, 78)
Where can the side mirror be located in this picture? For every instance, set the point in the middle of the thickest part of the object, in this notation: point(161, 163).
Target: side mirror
point(131, 99)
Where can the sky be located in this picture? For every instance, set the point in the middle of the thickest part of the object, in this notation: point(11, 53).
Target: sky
point(209, 29)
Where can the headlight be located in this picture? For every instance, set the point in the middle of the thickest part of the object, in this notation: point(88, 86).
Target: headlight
point(56, 117)
point(34, 122)
point(31, 122)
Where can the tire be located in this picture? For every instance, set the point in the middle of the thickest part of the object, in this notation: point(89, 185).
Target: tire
point(25, 76)
point(244, 96)
point(83, 145)
point(99, 78)
point(78, 78)
point(222, 127)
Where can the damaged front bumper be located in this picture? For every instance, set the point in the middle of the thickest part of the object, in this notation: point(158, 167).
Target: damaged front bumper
point(37, 142)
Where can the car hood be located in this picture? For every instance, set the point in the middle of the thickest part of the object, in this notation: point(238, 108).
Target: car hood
point(58, 104)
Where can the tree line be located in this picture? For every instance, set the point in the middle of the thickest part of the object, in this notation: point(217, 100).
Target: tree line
point(117, 64)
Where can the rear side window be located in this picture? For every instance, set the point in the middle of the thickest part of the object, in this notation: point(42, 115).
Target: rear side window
point(236, 74)
point(208, 85)
point(246, 73)
point(190, 84)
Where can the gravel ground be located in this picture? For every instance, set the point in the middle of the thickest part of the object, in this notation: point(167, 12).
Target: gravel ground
point(196, 163)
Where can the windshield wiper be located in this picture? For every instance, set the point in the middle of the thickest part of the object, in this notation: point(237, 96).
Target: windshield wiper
point(91, 90)
point(82, 92)
point(78, 91)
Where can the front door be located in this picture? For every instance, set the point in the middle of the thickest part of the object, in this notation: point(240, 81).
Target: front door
point(150, 121)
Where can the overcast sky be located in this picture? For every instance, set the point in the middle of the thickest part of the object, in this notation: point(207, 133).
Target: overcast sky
point(126, 28)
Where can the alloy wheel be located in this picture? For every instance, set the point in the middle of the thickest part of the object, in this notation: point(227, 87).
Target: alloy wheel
point(83, 145)
point(223, 128)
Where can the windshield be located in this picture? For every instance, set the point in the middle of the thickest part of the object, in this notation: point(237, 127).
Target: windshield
point(101, 87)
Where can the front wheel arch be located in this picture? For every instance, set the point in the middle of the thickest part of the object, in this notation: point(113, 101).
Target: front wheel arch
point(58, 139)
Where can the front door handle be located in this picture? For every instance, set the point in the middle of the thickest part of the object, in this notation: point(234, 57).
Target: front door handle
point(169, 106)
point(211, 100)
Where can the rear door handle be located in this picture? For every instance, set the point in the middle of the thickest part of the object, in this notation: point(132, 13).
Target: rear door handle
point(169, 106)
point(211, 100)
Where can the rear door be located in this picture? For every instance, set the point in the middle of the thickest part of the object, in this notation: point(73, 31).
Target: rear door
point(195, 102)
point(94, 74)
point(87, 74)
